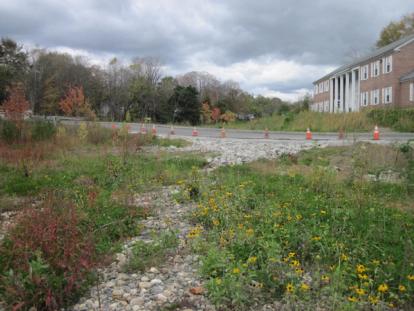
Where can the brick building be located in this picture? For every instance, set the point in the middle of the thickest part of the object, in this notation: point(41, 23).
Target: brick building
point(383, 78)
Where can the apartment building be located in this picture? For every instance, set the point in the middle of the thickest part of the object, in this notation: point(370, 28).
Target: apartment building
point(383, 78)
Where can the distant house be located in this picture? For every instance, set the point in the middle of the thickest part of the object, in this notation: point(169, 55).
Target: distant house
point(382, 78)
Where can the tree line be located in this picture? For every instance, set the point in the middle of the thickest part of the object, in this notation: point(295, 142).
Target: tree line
point(121, 91)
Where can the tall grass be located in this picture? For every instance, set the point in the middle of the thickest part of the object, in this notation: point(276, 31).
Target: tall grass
point(396, 119)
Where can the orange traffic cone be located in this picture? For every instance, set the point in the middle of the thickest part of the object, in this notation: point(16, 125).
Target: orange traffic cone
point(308, 134)
point(195, 132)
point(172, 132)
point(341, 134)
point(376, 133)
point(223, 133)
point(143, 129)
point(266, 133)
point(154, 130)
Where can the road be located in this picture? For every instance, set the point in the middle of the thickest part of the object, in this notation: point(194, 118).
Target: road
point(186, 131)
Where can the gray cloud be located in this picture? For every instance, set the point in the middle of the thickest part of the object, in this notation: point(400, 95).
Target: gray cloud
point(218, 32)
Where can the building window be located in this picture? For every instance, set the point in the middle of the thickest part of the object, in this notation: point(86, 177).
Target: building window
point(364, 72)
point(364, 99)
point(387, 64)
point(326, 108)
point(411, 92)
point(375, 69)
point(327, 86)
point(375, 97)
point(316, 89)
point(387, 95)
point(321, 87)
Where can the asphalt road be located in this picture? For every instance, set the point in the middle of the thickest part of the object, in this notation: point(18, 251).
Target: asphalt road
point(184, 131)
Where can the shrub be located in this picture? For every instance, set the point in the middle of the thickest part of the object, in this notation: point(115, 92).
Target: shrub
point(398, 119)
point(45, 259)
point(42, 130)
point(98, 135)
point(9, 131)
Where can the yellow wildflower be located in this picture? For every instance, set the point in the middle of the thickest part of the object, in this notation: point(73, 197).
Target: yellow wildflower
point(304, 287)
point(236, 270)
point(344, 257)
point(323, 212)
point(352, 299)
point(373, 299)
point(376, 262)
point(360, 291)
point(299, 271)
point(325, 278)
point(298, 217)
point(363, 276)
point(410, 277)
point(291, 254)
point(383, 288)
point(402, 288)
point(218, 281)
point(216, 222)
point(295, 263)
point(360, 268)
point(290, 287)
point(252, 260)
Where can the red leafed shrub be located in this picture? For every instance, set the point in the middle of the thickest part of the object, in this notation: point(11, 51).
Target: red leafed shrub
point(16, 105)
point(46, 259)
point(75, 104)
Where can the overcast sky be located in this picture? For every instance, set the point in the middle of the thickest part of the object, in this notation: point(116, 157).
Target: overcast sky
point(271, 47)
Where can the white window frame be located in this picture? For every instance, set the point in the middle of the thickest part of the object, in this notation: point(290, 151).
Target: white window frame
point(364, 99)
point(375, 97)
point(412, 92)
point(327, 86)
point(375, 69)
point(387, 64)
point(387, 95)
point(321, 87)
point(316, 89)
point(364, 72)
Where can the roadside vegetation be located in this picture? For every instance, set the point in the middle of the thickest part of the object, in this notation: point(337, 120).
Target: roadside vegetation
point(318, 229)
point(364, 121)
point(73, 189)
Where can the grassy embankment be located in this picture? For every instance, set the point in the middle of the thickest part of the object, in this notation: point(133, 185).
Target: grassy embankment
point(309, 231)
point(398, 120)
point(75, 190)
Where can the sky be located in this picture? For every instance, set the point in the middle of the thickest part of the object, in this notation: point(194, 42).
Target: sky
point(270, 47)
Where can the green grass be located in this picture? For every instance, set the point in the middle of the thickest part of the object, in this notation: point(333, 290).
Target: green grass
point(364, 121)
point(306, 240)
point(146, 255)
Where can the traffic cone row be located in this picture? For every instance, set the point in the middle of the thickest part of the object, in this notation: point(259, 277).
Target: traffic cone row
point(143, 130)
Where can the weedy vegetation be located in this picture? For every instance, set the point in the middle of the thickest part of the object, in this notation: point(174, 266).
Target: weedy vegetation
point(73, 188)
point(309, 230)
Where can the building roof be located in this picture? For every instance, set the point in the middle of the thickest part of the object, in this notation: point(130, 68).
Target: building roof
point(408, 76)
point(378, 52)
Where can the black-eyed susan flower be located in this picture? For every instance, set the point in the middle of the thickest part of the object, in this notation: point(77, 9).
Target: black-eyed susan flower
point(383, 288)
point(290, 288)
point(402, 288)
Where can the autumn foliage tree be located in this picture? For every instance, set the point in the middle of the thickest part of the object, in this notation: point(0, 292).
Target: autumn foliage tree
point(215, 114)
point(75, 104)
point(16, 105)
